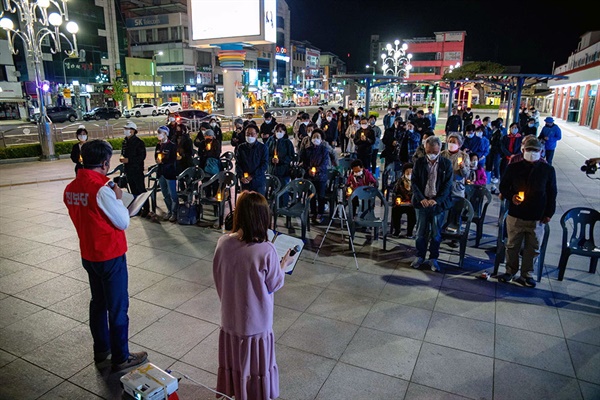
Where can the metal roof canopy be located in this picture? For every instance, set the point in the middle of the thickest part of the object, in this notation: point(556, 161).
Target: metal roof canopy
point(516, 82)
point(372, 81)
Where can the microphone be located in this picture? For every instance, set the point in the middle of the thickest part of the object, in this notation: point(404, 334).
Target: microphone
point(295, 250)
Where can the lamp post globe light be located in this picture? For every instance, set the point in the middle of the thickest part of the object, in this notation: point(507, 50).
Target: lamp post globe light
point(395, 61)
point(40, 21)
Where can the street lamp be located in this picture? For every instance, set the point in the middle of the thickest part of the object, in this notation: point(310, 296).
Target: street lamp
point(156, 53)
point(453, 67)
point(395, 61)
point(39, 26)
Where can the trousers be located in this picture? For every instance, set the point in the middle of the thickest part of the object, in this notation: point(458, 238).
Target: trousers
point(526, 234)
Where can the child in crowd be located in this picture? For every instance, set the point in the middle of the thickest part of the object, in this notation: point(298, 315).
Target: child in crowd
point(477, 174)
point(402, 203)
point(477, 121)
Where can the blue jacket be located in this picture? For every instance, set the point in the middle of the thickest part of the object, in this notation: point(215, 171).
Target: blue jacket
point(317, 157)
point(553, 134)
point(432, 119)
point(253, 160)
point(285, 154)
point(476, 146)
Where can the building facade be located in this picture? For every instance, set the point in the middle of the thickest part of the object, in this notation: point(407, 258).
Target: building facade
point(576, 98)
point(432, 57)
point(12, 103)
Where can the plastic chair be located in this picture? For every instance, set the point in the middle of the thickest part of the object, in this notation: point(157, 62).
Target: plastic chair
point(225, 181)
point(365, 212)
point(388, 180)
point(273, 186)
point(187, 183)
point(344, 165)
point(480, 198)
point(458, 225)
point(581, 242)
point(300, 192)
point(152, 184)
point(501, 245)
point(226, 160)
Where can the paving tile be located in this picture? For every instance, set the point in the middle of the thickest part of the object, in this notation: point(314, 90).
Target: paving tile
point(461, 333)
point(22, 380)
point(466, 304)
point(469, 283)
point(143, 314)
point(8, 267)
point(24, 279)
point(349, 382)
point(52, 291)
point(65, 355)
point(398, 319)
point(100, 380)
point(586, 359)
point(515, 382)
point(333, 335)
point(31, 332)
point(401, 291)
point(342, 306)
point(170, 292)
point(583, 302)
point(358, 283)
point(196, 249)
point(67, 390)
point(6, 358)
point(63, 264)
point(205, 305)
point(191, 390)
point(518, 293)
point(418, 276)
point(184, 332)
point(137, 254)
point(318, 274)
point(200, 272)
point(301, 374)
point(205, 355)
point(580, 327)
point(533, 349)
point(44, 253)
point(297, 296)
point(382, 352)
point(589, 391)
point(76, 307)
point(13, 309)
point(140, 279)
point(167, 263)
point(454, 371)
point(530, 317)
point(283, 318)
point(420, 392)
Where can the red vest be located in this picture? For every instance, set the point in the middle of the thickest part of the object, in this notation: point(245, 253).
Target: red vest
point(99, 239)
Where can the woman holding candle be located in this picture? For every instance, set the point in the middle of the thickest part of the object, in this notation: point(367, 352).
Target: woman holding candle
point(403, 203)
point(477, 175)
point(165, 156)
point(315, 160)
point(209, 153)
point(82, 136)
point(460, 163)
point(247, 271)
point(281, 153)
point(252, 161)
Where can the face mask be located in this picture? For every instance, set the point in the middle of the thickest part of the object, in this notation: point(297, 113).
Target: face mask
point(250, 139)
point(360, 113)
point(531, 125)
point(279, 134)
point(372, 123)
point(410, 131)
point(203, 131)
point(268, 121)
point(408, 176)
point(316, 142)
point(432, 157)
point(364, 126)
point(532, 156)
point(345, 114)
point(305, 122)
point(82, 138)
point(359, 173)
point(389, 112)
point(161, 137)
point(452, 147)
point(479, 134)
point(474, 164)
point(127, 132)
point(213, 124)
point(356, 122)
point(470, 135)
point(514, 130)
point(329, 118)
point(309, 133)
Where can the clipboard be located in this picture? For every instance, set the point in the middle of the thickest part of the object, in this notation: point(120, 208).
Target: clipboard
point(136, 205)
point(282, 244)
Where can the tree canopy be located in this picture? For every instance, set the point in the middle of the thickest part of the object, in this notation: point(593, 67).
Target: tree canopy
point(470, 70)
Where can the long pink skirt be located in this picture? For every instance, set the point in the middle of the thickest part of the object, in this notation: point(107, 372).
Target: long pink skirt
point(247, 367)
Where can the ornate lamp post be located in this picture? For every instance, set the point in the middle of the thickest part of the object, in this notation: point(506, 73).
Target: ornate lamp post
point(40, 20)
point(395, 61)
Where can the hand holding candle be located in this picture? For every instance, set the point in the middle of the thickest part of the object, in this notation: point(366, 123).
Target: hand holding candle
point(313, 171)
point(521, 196)
point(349, 191)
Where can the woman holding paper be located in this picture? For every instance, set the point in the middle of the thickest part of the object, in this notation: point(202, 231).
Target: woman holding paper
point(247, 271)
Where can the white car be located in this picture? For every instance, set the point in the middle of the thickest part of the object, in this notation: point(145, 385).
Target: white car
point(143, 110)
point(169, 107)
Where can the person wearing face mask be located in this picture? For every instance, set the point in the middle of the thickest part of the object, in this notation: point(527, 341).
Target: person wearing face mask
point(529, 186)
point(329, 128)
point(461, 165)
point(388, 119)
point(529, 128)
point(485, 145)
point(549, 135)
point(267, 128)
point(133, 154)
point(359, 176)
point(351, 134)
point(510, 145)
point(165, 156)
point(421, 149)
point(216, 128)
point(431, 117)
point(344, 121)
point(487, 128)
point(375, 149)
point(237, 135)
point(82, 136)
point(421, 123)
point(185, 149)
point(252, 162)
point(495, 156)
point(474, 144)
point(100, 219)
point(454, 122)
point(306, 141)
point(315, 160)
point(363, 142)
point(360, 112)
point(390, 139)
point(317, 117)
point(408, 143)
point(519, 157)
point(281, 153)
point(199, 139)
point(208, 154)
point(402, 203)
point(302, 131)
point(477, 175)
point(467, 117)
point(432, 189)
point(171, 124)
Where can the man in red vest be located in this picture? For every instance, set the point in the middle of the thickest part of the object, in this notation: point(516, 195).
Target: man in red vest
point(100, 219)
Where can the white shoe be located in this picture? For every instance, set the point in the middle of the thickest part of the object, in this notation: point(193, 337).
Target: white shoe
point(417, 262)
point(494, 180)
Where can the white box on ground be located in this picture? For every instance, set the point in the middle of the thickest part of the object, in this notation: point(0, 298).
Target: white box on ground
point(148, 382)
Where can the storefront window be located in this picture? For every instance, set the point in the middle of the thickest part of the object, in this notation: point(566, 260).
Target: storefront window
point(9, 111)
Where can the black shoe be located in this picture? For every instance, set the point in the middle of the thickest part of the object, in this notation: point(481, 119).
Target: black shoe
point(505, 277)
point(101, 356)
point(527, 282)
point(453, 244)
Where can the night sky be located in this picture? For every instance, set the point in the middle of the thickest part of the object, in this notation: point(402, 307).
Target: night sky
point(532, 34)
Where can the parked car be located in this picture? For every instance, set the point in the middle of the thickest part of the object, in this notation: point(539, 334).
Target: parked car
point(169, 107)
point(141, 110)
point(102, 113)
point(322, 103)
point(288, 103)
point(191, 118)
point(57, 114)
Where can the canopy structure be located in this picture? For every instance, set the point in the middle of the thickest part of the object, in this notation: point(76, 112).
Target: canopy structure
point(515, 83)
point(372, 81)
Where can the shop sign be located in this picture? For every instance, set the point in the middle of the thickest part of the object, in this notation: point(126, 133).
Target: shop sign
point(147, 21)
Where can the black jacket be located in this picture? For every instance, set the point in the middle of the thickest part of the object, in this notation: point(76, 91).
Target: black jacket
point(167, 167)
point(285, 154)
point(443, 183)
point(330, 130)
point(185, 149)
point(538, 181)
point(422, 125)
point(454, 124)
point(266, 130)
point(75, 156)
point(134, 150)
point(364, 147)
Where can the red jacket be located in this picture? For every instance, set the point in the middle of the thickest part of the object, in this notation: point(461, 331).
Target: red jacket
point(367, 179)
point(99, 239)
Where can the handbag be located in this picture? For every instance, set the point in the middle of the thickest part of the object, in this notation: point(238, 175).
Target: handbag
point(229, 221)
point(187, 213)
point(213, 166)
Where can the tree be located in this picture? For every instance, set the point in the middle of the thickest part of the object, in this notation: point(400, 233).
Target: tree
point(288, 92)
point(470, 70)
point(118, 92)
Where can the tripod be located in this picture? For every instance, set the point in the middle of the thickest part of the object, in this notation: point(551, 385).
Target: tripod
point(340, 215)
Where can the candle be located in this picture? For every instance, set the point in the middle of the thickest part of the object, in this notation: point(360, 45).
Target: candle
point(219, 196)
point(275, 156)
point(362, 136)
point(521, 196)
point(398, 201)
point(349, 191)
point(313, 170)
point(459, 160)
point(80, 159)
point(208, 145)
point(246, 175)
point(159, 156)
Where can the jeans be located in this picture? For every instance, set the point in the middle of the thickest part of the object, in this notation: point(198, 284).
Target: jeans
point(168, 187)
point(549, 156)
point(429, 223)
point(319, 197)
point(285, 198)
point(496, 158)
point(109, 322)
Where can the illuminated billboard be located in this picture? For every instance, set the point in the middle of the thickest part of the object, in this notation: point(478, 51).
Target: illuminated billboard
point(216, 22)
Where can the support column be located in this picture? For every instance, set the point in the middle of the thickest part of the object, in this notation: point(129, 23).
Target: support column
point(231, 58)
point(584, 106)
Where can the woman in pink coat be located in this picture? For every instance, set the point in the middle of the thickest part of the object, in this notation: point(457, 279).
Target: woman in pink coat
point(247, 271)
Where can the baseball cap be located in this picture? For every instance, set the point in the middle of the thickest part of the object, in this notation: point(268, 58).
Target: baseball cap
point(130, 125)
point(532, 144)
point(163, 129)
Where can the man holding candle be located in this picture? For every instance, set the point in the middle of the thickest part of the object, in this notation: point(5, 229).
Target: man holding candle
point(165, 156)
point(364, 140)
point(251, 162)
point(529, 186)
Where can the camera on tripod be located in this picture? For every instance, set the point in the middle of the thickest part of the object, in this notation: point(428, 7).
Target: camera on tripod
point(589, 169)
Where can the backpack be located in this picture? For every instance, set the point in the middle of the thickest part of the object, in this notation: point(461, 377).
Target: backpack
point(187, 213)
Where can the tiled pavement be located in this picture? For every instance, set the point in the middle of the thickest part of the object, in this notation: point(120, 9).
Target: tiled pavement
point(383, 332)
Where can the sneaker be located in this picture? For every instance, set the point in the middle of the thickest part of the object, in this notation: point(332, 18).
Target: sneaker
point(173, 218)
point(494, 180)
point(506, 277)
point(133, 360)
point(417, 262)
point(527, 282)
point(433, 265)
point(167, 216)
point(101, 356)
